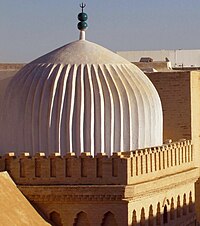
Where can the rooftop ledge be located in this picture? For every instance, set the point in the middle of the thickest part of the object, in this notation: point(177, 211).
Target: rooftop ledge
point(121, 168)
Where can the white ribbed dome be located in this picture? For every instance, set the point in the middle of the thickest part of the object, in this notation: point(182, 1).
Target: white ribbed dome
point(80, 97)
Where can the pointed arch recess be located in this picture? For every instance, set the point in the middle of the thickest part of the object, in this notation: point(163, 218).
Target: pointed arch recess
point(81, 219)
point(109, 219)
point(55, 218)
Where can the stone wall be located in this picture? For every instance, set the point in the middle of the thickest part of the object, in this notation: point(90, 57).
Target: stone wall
point(180, 96)
point(195, 113)
point(174, 91)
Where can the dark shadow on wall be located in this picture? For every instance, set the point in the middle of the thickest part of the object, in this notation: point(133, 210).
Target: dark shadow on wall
point(81, 219)
point(109, 219)
point(55, 219)
point(166, 215)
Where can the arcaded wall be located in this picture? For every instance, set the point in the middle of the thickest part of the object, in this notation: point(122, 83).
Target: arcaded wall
point(80, 205)
point(173, 205)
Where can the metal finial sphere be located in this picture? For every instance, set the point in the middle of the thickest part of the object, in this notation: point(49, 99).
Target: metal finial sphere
point(82, 26)
point(82, 17)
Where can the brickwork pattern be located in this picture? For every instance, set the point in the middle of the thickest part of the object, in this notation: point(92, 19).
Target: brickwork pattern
point(174, 92)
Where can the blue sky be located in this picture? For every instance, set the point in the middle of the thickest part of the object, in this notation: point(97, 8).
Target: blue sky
point(31, 28)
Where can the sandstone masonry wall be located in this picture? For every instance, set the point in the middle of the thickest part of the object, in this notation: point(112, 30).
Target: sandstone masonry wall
point(174, 91)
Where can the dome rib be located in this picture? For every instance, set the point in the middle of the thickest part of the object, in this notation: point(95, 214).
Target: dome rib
point(44, 110)
point(136, 113)
point(151, 111)
point(53, 117)
point(102, 109)
point(125, 109)
point(59, 108)
point(116, 110)
point(89, 121)
point(78, 111)
point(82, 109)
point(35, 122)
point(22, 94)
point(73, 90)
point(108, 111)
point(28, 115)
point(97, 112)
point(140, 92)
point(131, 99)
point(67, 107)
point(62, 109)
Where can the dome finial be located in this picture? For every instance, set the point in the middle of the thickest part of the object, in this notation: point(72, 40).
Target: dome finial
point(82, 5)
point(82, 25)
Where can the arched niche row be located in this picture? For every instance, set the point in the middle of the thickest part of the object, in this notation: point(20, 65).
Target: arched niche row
point(167, 213)
point(81, 219)
point(109, 220)
point(55, 219)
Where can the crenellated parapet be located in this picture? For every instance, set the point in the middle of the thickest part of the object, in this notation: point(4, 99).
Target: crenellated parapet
point(151, 163)
point(121, 168)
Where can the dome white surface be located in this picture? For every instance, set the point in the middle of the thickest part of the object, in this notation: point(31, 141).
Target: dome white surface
point(79, 98)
